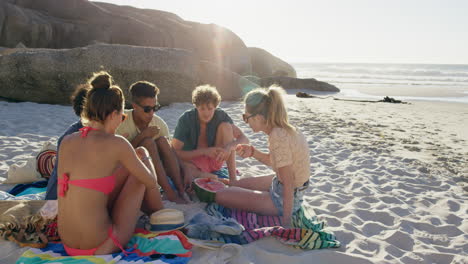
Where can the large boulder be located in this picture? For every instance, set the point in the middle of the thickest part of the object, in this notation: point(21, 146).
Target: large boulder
point(230, 85)
point(264, 64)
point(296, 83)
point(77, 23)
point(50, 75)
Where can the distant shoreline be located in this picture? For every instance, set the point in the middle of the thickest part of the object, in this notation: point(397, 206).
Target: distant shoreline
point(418, 82)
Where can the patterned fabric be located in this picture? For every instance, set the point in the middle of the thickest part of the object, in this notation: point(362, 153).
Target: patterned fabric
point(45, 162)
point(171, 247)
point(306, 232)
point(51, 231)
point(289, 149)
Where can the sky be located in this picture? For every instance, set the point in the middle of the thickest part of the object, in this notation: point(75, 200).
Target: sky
point(349, 31)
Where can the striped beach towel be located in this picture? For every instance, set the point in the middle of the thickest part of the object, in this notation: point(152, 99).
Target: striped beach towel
point(306, 232)
point(144, 247)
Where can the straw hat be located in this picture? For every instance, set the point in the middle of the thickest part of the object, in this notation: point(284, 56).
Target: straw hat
point(166, 220)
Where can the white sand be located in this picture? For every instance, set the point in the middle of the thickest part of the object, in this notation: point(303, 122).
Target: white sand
point(388, 178)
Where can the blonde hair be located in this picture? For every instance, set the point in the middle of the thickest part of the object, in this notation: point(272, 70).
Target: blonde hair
point(206, 94)
point(269, 103)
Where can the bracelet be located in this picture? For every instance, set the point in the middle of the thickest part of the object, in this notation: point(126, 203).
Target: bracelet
point(145, 158)
point(253, 151)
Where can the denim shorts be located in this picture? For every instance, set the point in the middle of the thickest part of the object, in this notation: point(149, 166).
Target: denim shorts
point(276, 194)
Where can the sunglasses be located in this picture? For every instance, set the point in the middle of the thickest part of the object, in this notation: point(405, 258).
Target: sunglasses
point(148, 109)
point(246, 118)
point(124, 117)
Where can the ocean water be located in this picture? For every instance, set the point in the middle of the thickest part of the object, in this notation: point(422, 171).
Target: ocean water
point(428, 82)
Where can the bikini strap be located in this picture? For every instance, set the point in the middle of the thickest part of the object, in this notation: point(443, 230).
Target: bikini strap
point(85, 130)
point(63, 184)
point(116, 241)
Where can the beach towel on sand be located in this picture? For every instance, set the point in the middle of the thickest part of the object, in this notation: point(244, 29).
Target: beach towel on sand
point(306, 231)
point(144, 247)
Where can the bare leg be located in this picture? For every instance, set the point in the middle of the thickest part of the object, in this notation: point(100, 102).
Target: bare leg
point(224, 136)
point(261, 183)
point(121, 175)
point(124, 214)
point(152, 201)
point(197, 173)
point(171, 163)
point(152, 148)
point(244, 199)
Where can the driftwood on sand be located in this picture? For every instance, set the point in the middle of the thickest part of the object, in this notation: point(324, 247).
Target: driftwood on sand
point(386, 99)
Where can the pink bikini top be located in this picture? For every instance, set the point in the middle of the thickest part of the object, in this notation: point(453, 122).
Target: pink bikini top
point(104, 184)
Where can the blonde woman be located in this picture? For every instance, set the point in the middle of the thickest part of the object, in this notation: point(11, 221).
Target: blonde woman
point(281, 193)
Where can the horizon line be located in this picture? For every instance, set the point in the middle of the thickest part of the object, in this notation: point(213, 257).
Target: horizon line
point(394, 63)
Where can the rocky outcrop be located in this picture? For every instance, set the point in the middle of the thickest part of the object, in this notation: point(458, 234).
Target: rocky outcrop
point(229, 84)
point(77, 23)
point(50, 75)
point(53, 45)
point(265, 64)
point(296, 83)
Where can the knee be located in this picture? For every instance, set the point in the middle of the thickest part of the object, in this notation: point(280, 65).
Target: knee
point(224, 196)
point(162, 142)
point(148, 143)
point(141, 152)
point(220, 197)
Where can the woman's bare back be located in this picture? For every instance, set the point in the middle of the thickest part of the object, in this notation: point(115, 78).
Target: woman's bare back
point(84, 216)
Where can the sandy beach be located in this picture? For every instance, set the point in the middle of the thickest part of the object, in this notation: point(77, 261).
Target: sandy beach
point(391, 180)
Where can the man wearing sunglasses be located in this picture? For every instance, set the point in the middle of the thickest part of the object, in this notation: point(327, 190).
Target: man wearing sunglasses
point(143, 127)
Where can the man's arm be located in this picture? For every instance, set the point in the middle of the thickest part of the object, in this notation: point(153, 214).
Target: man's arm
point(148, 132)
point(188, 155)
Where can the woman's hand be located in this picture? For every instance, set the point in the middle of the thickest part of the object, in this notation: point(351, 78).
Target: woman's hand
point(245, 150)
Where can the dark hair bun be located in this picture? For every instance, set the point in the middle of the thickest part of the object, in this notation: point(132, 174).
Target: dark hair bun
point(101, 80)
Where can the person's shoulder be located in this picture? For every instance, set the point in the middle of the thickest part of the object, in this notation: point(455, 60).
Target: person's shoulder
point(116, 141)
point(129, 119)
point(220, 111)
point(127, 124)
point(188, 115)
point(68, 139)
point(279, 132)
point(73, 127)
point(191, 111)
point(221, 114)
point(158, 119)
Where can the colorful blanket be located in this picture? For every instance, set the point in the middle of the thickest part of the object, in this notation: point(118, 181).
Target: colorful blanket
point(144, 247)
point(306, 232)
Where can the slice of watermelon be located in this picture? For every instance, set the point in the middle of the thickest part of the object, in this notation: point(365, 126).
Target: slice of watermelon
point(206, 189)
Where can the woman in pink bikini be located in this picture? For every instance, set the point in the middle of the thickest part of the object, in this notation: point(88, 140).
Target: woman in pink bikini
point(102, 181)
